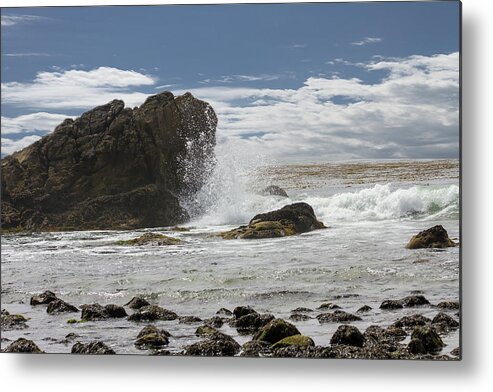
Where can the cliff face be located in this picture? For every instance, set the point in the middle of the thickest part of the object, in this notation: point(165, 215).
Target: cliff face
point(112, 168)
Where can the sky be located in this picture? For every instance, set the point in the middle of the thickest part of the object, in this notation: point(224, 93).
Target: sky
point(300, 82)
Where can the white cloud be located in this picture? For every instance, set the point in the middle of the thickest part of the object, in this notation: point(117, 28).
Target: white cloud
point(32, 122)
point(11, 20)
point(77, 88)
point(367, 40)
point(9, 145)
point(241, 78)
point(33, 54)
point(413, 112)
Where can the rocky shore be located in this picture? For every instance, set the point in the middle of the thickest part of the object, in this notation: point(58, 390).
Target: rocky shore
point(408, 337)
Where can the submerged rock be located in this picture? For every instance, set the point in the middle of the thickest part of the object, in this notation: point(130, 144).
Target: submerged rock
point(22, 345)
point(96, 347)
point(151, 313)
point(60, 306)
point(435, 237)
point(274, 190)
point(137, 303)
point(153, 239)
point(289, 220)
point(276, 330)
point(348, 334)
point(299, 317)
point(43, 298)
point(112, 168)
point(364, 309)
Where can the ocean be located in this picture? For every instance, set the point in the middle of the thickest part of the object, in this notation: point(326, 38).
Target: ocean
point(372, 208)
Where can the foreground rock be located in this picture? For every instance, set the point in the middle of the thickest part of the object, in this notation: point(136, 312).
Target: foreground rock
point(151, 337)
point(435, 237)
point(215, 344)
point(97, 312)
point(275, 331)
point(295, 340)
point(274, 190)
point(289, 220)
point(429, 338)
point(60, 306)
point(11, 322)
point(348, 334)
point(111, 168)
point(22, 345)
point(96, 347)
point(407, 302)
point(153, 239)
point(43, 298)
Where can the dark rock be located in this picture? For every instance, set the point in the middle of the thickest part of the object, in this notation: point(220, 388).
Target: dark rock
point(153, 239)
point(151, 337)
point(274, 190)
point(299, 317)
point(256, 348)
point(22, 345)
point(115, 311)
point(59, 306)
point(276, 330)
point(96, 347)
point(240, 311)
point(450, 305)
point(302, 310)
point(337, 316)
point(161, 353)
point(137, 303)
point(189, 319)
point(431, 340)
point(291, 219)
point(11, 322)
point(416, 346)
point(151, 313)
point(411, 321)
point(112, 168)
point(224, 312)
point(252, 322)
point(329, 305)
point(435, 237)
point(205, 330)
point(295, 340)
point(391, 304)
point(414, 300)
point(93, 312)
point(455, 352)
point(216, 322)
point(395, 333)
point(349, 335)
point(364, 309)
point(215, 344)
point(43, 298)
point(443, 322)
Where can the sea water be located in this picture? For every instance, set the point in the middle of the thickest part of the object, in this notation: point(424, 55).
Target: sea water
point(371, 208)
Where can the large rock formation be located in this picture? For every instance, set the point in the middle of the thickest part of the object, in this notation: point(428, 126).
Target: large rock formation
point(112, 168)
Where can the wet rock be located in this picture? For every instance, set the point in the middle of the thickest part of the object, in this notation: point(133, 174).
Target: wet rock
point(60, 306)
point(395, 333)
point(224, 312)
point(22, 345)
point(411, 321)
point(455, 352)
point(429, 337)
point(96, 347)
point(115, 311)
point(43, 299)
point(302, 310)
point(349, 335)
point(291, 219)
point(216, 344)
point(416, 346)
point(414, 300)
point(435, 237)
point(383, 339)
point(162, 353)
point(256, 348)
point(93, 312)
point(153, 239)
point(276, 330)
point(449, 305)
point(11, 322)
point(240, 311)
point(151, 337)
point(364, 309)
point(137, 303)
point(443, 322)
point(216, 322)
point(151, 313)
point(252, 322)
point(391, 304)
point(295, 340)
point(189, 319)
point(299, 317)
point(329, 305)
point(205, 330)
point(337, 316)
point(274, 190)
point(112, 168)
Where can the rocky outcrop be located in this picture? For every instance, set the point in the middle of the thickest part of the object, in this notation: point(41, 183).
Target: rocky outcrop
point(289, 220)
point(23, 345)
point(112, 168)
point(435, 237)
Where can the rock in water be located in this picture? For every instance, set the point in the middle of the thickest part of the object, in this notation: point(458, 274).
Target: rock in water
point(289, 220)
point(435, 237)
point(112, 168)
point(274, 190)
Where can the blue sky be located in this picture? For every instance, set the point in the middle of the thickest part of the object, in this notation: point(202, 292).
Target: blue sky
point(345, 80)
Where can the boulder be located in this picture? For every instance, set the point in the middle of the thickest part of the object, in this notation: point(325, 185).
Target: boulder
point(112, 168)
point(349, 335)
point(11, 322)
point(215, 344)
point(224, 312)
point(256, 348)
point(273, 190)
point(22, 345)
point(337, 316)
point(391, 304)
point(449, 305)
point(43, 298)
point(297, 317)
point(152, 239)
point(96, 347)
point(435, 237)
point(295, 340)
point(215, 321)
point(364, 309)
point(252, 322)
point(60, 306)
point(151, 337)
point(414, 300)
point(115, 311)
point(151, 313)
point(430, 339)
point(189, 319)
point(302, 310)
point(137, 303)
point(93, 312)
point(240, 311)
point(276, 330)
point(205, 330)
point(411, 321)
point(443, 322)
point(289, 220)
point(328, 305)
